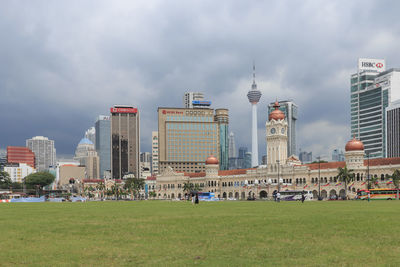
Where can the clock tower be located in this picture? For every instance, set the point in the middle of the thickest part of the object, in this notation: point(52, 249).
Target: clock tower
point(276, 136)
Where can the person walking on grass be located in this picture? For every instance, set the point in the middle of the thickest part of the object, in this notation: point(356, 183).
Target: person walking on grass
point(278, 197)
point(192, 199)
point(303, 197)
point(196, 201)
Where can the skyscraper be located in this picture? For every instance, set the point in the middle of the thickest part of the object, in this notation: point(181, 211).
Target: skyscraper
point(222, 118)
point(393, 130)
point(125, 141)
point(154, 152)
point(18, 154)
point(369, 99)
point(88, 157)
point(254, 96)
point(305, 157)
point(189, 97)
point(289, 108)
point(232, 145)
point(103, 143)
point(45, 152)
point(186, 137)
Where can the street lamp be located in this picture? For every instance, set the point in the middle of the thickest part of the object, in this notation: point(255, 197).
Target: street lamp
point(368, 179)
point(319, 177)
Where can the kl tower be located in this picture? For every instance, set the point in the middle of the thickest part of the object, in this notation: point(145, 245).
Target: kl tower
point(254, 96)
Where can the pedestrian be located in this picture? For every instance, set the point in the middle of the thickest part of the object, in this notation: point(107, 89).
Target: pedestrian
point(278, 197)
point(303, 197)
point(274, 195)
point(197, 199)
point(192, 199)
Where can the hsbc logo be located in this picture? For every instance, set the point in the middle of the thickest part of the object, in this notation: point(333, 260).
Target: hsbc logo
point(371, 64)
point(379, 65)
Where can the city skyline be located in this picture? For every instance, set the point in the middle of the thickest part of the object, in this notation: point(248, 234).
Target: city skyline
point(72, 77)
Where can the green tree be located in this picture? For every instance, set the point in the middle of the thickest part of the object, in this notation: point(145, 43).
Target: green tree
point(188, 187)
point(373, 182)
point(5, 180)
point(152, 194)
point(101, 187)
point(396, 181)
point(39, 178)
point(134, 185)
point(345, 175)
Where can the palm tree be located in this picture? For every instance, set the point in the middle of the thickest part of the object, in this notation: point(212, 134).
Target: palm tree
point(396, 181)
point(134, 185)
point(188, 187)
point(345, 175)
point(100, 186)
point(374, 182)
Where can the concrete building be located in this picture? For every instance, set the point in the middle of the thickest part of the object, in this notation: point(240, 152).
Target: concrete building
point(125, 141)
point(3, 158)
point(393, 130)
point(103, 143)
point(91, 135)
point(319, 179)
point(154, 152)
point(187, 136)
point(18, 171)
point(370, 95)
point(18, 154)
point(232, 145)
point(222, 118)
point(289, 108)
point(189, 97)
point(254, 96)
point(45, 152)
point(337, 155)
point(87, 156)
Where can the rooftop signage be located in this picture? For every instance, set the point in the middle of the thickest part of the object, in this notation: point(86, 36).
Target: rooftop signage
point(201, 103)
point(377, 65)
point(123, 110)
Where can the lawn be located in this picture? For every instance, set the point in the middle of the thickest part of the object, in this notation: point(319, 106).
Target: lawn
point(211, 234)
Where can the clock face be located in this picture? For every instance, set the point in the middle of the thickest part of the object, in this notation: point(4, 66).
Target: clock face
point(283, 131)
point(273, 130)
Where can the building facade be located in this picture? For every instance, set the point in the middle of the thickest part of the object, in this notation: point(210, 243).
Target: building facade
point(125, 141)
point(370, 95)
point(87, 156)
point(232, 145)
point(103, 143)
point(222, 118)
point(18, 171)
point(186, 137)
point(18, 154)
point(290, 109)
point(45, 152)
point(393, 130)
point(337, 155)
point(91, 135)
point(154, 152)
point(189, 97)
point(305, 157)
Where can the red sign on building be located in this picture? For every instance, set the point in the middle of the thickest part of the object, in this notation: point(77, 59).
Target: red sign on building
point(123, 110)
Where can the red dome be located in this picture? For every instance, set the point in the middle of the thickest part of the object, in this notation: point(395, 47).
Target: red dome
point(212, 160)
point(277, 114)
point(354, 144)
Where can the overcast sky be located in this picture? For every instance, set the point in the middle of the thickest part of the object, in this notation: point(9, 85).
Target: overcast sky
point(63, 63)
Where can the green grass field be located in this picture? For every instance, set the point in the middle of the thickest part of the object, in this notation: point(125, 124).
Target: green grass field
point(159, 233)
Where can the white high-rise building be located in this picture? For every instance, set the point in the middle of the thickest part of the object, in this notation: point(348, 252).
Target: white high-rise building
point(18, 171)
point(45, 152)
point(393, 130)
point(232, 145)
point(254, 96)
point(189, 97)
point(154, 152)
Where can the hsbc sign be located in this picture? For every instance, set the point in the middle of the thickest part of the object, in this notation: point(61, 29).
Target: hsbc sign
point(371, 64)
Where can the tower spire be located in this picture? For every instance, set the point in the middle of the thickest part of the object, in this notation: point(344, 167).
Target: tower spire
point(254, 85)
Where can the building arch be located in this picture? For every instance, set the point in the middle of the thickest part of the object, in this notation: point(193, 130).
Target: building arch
point(230, 195)
point(332, 194)
point(315, 194)
point(324, 194)
point(179, 195)
point(263, 194)
point(172, 195)
point(243, 195)
point(237, 195)
point(224, 195)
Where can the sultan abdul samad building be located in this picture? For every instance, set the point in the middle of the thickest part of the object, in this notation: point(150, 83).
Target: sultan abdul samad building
point(281, 172)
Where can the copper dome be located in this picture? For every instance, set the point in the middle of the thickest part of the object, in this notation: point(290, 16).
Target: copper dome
point(354, 144)
point(212, 160)
point(277, 114)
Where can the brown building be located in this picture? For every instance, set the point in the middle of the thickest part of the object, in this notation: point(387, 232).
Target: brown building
point(125, 141)
point(18, 154)
point(71, 171)
point(186, 137)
